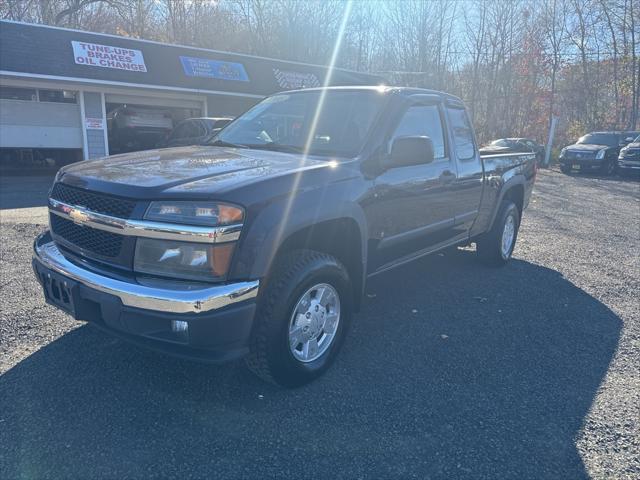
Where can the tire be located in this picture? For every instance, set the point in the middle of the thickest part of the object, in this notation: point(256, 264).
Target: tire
point(489, 246)
point(564, 168)
point(271, 356)
point(608, 167)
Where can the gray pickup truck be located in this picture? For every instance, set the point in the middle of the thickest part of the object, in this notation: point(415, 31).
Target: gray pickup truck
point(260, 244)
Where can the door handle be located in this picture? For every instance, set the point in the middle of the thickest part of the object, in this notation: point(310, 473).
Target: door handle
point(447, 176)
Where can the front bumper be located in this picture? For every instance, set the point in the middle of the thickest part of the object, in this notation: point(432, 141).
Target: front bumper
point(630, 165)
point(219, 317)
point(582, 162)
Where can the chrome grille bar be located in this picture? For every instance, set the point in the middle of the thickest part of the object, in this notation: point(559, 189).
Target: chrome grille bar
point(144, 228)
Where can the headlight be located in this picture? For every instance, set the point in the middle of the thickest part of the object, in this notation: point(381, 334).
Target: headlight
point(185, 260)
point(195, 213)
point(601, 154)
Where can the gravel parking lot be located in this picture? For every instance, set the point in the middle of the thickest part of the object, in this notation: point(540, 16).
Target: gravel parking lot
point(450, 370)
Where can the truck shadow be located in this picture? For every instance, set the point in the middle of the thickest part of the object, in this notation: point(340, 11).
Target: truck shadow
point(450, 370)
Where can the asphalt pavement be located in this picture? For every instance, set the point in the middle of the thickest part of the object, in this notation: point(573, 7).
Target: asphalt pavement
point(451, 370)
point(24, 199)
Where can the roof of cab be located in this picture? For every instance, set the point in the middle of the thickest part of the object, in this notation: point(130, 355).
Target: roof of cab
point(385, 89)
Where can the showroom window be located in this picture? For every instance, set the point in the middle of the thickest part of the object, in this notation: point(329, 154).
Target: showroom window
point(15, 93)
point(58, 96)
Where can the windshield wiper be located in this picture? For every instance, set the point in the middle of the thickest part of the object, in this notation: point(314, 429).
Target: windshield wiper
point(222, 143)
point(276, 147)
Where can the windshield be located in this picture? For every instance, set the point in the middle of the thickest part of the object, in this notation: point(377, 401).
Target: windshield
point(637, 140)
point(285, 122)
point(503, 142)
point(610, 139)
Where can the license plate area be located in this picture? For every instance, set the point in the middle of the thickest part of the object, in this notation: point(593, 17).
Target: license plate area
point(59, 291)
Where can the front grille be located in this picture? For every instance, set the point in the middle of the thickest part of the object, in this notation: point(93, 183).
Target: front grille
point(95, 241)
point(580, 155)
point(96, 202)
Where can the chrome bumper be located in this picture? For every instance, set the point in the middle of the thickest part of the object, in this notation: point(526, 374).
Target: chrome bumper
point(634, 164)
point(178, 298)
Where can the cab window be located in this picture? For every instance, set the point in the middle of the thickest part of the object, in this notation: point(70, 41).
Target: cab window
point(462, 133)
point(423, 120)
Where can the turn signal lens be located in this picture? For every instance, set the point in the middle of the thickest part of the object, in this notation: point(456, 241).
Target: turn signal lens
point(228, 214)
point(220, 258)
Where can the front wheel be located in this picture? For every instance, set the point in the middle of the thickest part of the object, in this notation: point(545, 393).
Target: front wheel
point(496, 246)
point(608, 167)
point(302, 319)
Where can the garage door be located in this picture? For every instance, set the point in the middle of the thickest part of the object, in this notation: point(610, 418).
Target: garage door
point(31, 118)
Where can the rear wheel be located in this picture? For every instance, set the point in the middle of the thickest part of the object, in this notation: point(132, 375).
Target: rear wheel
point(496, 246)
point(302, 319)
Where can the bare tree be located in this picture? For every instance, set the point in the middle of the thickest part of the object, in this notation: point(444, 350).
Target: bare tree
point(554, 20)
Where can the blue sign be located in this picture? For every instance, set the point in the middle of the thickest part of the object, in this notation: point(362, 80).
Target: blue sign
point(203, 67)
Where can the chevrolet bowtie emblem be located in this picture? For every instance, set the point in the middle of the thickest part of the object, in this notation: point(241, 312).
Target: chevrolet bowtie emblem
point(77, 216)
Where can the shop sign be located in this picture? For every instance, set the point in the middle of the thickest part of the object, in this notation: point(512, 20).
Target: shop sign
point(106, 56)
point(94, 123)
point(203, 67)
point(289, 80)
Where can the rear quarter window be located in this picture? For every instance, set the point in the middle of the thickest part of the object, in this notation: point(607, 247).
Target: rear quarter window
point(463, 140)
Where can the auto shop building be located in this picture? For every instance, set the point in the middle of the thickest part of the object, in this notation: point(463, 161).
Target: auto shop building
point(59, 88)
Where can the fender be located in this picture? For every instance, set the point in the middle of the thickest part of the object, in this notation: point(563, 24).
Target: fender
point(510, 179)
point(286, 215)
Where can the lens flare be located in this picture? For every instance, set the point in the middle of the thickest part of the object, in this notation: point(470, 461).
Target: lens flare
point(314, 123)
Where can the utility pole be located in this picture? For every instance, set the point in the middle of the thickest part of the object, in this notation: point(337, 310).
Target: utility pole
point(547, 150)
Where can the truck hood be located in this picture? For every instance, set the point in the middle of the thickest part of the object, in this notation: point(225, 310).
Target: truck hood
point(584, 147)
point(495, 149)
point(193, 169)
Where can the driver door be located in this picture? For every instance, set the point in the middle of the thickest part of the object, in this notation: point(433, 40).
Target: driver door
point(412, 206)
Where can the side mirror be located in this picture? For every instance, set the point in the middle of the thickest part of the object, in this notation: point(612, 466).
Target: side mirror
point(407, 151)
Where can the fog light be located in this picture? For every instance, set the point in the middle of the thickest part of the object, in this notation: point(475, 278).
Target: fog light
point(179, 326)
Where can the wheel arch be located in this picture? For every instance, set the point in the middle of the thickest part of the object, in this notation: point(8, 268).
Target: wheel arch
point(514, 190)
point(338, 237)
point(515, 193)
